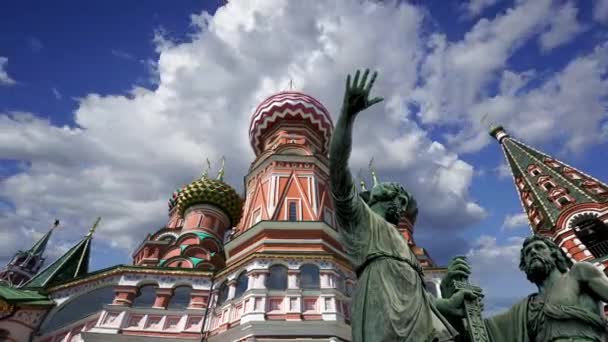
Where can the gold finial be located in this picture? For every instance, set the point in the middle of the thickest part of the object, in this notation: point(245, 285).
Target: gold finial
point(92, 230)
point(489, 124)
point(291, 84)
point(220, 174)
point(361, 180)
point(56, 224)
point(373, 171)
point(206, 172)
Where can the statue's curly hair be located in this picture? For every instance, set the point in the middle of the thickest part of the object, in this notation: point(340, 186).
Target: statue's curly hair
point(386, 191)
point(562, 262)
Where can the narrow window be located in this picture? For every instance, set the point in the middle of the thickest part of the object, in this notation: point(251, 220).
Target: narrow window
point(222, 294)
point(277, 278)
point(563, 201)
point(180, 298)
point(146, 297)
point(242, 282)
point(293, 211)
point(309, 277)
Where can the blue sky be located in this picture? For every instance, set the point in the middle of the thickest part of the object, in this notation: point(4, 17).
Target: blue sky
point(106, 108)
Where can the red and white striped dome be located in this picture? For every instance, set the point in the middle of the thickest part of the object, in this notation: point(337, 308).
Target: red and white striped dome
point(289, 105)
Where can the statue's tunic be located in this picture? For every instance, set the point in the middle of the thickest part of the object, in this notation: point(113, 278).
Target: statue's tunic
point(390, 303)
point(533, 320)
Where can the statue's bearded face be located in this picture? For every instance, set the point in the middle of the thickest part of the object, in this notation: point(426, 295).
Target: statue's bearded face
point(389, 201)
point(538, 261)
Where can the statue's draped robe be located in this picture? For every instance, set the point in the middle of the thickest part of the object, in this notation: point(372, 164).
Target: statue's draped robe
point(390, 303)
point(511, 325)
point(531, 320)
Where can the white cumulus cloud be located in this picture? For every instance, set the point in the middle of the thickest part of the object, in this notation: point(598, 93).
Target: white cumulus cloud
point(128, 152)
point(5, 79)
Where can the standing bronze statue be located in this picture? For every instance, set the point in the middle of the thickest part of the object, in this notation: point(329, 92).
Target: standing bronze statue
point(567, 308)
point(390, 302)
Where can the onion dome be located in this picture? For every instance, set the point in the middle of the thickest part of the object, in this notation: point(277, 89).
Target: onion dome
point(292, 105)
point(211, 191)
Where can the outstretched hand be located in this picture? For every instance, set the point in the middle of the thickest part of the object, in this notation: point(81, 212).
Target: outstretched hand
point(356, 96)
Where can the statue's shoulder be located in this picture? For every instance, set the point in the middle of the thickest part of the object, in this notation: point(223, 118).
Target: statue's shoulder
point(584, 271)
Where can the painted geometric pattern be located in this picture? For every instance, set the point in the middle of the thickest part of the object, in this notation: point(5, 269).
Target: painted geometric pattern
point(288, 104)
point(211, 191)
point(521, 156)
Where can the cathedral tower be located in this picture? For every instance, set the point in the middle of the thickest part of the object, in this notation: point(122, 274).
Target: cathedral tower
point(200, 214)
point(561, 202)
point(25, 264)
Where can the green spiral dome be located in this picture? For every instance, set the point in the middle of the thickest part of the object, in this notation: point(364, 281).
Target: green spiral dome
point(211, 191)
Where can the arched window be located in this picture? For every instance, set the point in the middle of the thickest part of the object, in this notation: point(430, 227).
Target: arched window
point(593, 233)
point(180, 298)
point(80, 307)
point(309, 277)
point(222, 294)
point(277, 278)
point(146, 297)
point(293, 214)
point(242, 282)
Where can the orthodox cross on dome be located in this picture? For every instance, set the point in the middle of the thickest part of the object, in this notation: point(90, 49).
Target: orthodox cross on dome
point(220, 174)
point(291, 84)
point(92, 230)
point(361, 180)
point(206, 172)
point(373, 172)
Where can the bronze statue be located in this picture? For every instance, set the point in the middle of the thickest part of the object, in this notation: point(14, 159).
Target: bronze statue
point(390, 302)
point(567, 307)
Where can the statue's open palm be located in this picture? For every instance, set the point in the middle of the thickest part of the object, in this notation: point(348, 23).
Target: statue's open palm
point(356, 96)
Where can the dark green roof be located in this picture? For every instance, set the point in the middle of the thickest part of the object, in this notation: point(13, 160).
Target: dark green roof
point(74, 263)
point(39, 247)
point(14, 296)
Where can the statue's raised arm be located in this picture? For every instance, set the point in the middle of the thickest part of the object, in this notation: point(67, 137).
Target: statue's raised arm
point(356, 99)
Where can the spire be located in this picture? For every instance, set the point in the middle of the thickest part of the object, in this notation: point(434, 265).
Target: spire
point(547, 186)
point(39, 247)
point(373, 172)
point(73, 264)
point(220, 174)
point(25, 265)
point(92, 230)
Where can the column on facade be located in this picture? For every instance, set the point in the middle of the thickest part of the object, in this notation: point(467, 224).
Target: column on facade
point(231, 289)
point(199, 299)
point(162, 298)
point(292, 279)
point(327, 279)
point(257, 279)
point(124, 295)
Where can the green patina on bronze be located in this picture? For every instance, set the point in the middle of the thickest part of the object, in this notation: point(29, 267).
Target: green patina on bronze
point(390, 302)
point(567, 308)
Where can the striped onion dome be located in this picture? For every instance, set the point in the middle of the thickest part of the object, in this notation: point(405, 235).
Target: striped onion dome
point(209, 191)
point(291, 105)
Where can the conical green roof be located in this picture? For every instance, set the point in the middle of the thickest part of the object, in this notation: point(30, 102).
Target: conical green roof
point(521, 156)
point(74, 263)
point(39, 247)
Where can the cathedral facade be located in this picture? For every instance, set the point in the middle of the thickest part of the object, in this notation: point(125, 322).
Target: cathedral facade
point(264, 266)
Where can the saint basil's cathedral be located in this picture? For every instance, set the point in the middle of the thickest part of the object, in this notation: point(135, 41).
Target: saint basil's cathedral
point(266, 266)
